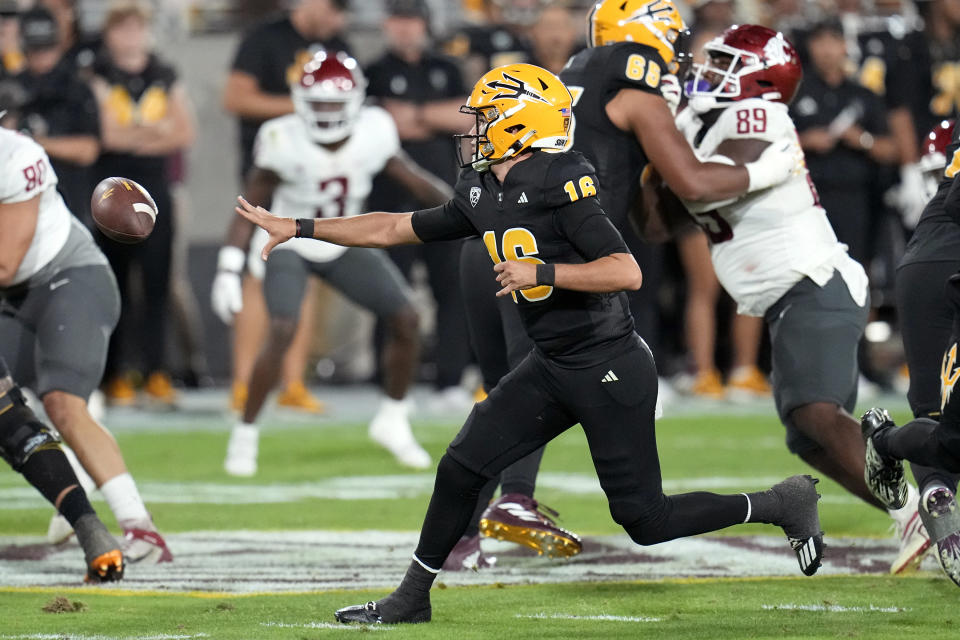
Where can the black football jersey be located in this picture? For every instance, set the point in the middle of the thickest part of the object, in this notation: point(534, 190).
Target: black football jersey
point(937, 236)
point(546, 211)
point(594, 76)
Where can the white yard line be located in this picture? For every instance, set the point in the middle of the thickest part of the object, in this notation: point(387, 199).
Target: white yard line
point(76, 636)
point(832, 608)
point(571, 616)
point(328, 625)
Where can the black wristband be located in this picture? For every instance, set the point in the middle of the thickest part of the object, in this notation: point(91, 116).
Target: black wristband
point(304, 228)
point(546, 274)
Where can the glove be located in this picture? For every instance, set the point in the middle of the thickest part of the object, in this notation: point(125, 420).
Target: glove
point(778, 162)
point(688, 123)
point(911, 195)
point(226, 296)
point(671, 91)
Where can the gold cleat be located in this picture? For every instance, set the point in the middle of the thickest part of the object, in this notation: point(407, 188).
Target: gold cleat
point(120, 392)
point(159, 389)
point(522, 520)
point(748, 381)
point(708, 384)
point(298, 397)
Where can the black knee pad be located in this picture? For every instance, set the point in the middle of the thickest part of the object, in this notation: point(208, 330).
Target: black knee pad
point(21, 433)
point(451, 475)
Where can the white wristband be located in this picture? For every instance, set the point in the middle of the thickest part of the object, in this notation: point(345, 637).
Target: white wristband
point(231, 259)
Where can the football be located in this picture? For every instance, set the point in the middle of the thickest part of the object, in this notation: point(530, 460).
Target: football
point(123, 210)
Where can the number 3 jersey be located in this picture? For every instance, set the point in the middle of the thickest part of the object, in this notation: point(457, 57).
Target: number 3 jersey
point(59, 240)
point(765, 242)
point(317, 182)
point(546, 211)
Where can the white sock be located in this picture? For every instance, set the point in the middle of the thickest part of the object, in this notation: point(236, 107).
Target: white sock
point(88, 483)
point(399, 408)
point(124, 499)
point(904, 513)
point(247, 427)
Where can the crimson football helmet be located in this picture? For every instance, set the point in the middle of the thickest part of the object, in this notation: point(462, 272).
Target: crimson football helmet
point(329, 96)
point(933, 155)
point(748, 61)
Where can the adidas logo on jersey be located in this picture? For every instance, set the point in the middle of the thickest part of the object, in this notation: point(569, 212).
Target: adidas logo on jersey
point(610, 377)
point(523, 198)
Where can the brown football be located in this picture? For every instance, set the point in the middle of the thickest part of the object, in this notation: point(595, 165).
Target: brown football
point(123, 210)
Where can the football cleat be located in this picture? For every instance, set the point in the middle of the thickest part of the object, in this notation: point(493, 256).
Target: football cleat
point(801, 521)
point(884, 476)
point(746, 383)
point(914, 544)
point(517, 518)
point(120, 392)
point(159, 389)
point(708, 384)
point(242, 449)
point(238, 397)
point(298, 398)
point(467, 554)
point(102, 554)
point(941, 517)
point(390, 428)
point(107, 567)
point(142, 543)
point(371, 613)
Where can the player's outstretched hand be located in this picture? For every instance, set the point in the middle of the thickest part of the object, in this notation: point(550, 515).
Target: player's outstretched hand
point(514, 275)
point(280, 229)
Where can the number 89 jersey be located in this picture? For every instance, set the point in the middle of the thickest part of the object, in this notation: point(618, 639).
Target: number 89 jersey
point(317, 182)
point(764, 242)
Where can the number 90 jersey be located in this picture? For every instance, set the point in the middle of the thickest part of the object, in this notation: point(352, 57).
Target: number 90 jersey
point(316, 182)
point(25, 173)
point(764, 242)
point(546, 211)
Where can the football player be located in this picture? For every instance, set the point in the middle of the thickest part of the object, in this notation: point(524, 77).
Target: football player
point(33, 450)
point(320, 161)
point(557, 255)
point(58, 305)
point(778, 258)
point(619, 85)
point(930, 322)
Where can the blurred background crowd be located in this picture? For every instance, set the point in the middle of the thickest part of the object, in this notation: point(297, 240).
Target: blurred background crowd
point(170, 93)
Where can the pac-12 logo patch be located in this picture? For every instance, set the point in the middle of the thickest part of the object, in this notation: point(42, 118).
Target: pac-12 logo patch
point(474, 196)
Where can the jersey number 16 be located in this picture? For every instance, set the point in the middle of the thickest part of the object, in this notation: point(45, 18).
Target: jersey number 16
point(518, 244)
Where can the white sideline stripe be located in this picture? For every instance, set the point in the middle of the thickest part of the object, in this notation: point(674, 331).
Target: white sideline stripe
point(75, 636)
point(17, 495)
point(571, 616)
point(327, 625)
point(833, 608)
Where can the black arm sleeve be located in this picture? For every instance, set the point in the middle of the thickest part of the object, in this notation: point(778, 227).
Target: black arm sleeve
point(589, 229)
point(445, 222)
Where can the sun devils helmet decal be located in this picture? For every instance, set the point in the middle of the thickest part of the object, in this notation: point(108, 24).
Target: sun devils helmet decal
point(515, 107)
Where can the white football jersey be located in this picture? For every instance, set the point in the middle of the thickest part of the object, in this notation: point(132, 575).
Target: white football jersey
point(765, 242)
point(25, 173)
point(317, 182)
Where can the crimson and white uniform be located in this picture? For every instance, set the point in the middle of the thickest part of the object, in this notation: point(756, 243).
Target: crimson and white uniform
point(319, 182)
point(765, 242)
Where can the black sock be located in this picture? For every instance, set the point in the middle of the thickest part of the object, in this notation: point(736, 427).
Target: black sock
point(521, 476)
point(411, 600)
point(50, 472)
point(765, 506)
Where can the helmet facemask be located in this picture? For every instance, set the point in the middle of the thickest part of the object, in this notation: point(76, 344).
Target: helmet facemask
point(477, 150)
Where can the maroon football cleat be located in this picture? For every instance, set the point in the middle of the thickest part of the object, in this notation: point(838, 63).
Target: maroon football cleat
point(521, 519)
point(467, 554)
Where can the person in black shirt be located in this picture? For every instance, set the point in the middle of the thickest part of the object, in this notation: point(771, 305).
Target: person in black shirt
point(843, 130)
point(267, 64)
point(555, 252)
point(60, 111)
point(145, 116)
point(501, 39)
point(928, 300)
point(421, 90)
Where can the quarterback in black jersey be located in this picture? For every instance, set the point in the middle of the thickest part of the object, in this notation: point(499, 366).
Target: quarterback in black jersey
point(557, 254)
point(928, 302)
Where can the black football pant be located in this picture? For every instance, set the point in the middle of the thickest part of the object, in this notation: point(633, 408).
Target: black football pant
point(499, 343)
point(926, 321)
point(539, 400)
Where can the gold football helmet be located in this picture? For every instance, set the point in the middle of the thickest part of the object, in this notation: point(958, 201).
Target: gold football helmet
point(517, 107)
point(655, 23)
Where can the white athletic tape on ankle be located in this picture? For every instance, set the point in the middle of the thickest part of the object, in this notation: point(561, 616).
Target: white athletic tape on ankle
point(420, 562)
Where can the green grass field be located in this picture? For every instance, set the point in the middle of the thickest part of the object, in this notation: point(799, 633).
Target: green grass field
point(712, 450)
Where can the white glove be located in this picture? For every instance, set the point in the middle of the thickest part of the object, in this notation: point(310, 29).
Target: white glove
point(778, 162)
point(226, 296)
point(671, 91)
point(688, 123)
point(911, 195)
